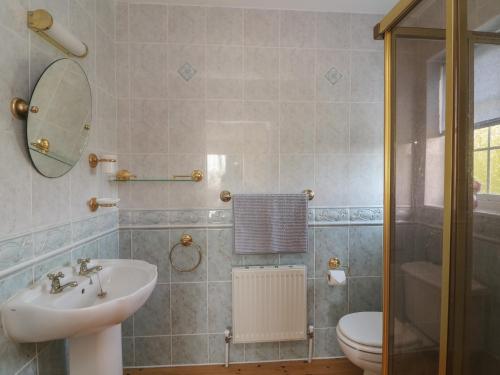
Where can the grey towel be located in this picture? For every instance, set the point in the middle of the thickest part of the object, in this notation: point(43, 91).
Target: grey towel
point(270, 223)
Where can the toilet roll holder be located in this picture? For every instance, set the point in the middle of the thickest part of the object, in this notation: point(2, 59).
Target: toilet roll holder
point(335, 264)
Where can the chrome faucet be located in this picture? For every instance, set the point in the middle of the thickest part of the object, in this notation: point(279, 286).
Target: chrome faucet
point(84, 270)
point(56, 286)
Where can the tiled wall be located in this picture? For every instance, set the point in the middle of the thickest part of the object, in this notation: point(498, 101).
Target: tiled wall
point(262, 101)
point(45, 223)
point(184, 320)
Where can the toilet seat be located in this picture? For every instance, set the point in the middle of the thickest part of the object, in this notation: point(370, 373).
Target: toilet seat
point(362, 331)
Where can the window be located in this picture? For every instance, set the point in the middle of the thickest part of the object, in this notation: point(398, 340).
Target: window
point(487, 156)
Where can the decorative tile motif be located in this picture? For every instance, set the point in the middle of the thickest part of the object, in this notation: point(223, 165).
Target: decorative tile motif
point(332, 215)
point(333, 76)
point(52, 239)
point(220, 217)
point(15, 250)
point(367, 214)
point(187, 217)
point(149, 217)
point(187, 71)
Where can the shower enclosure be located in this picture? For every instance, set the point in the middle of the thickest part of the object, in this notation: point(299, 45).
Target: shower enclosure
point(442, 187)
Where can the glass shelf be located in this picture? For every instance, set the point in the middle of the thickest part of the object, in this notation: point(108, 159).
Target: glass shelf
point(153, 180)
point(53, 156)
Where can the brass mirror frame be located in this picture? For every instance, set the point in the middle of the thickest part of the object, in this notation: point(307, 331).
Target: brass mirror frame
point(21, 109)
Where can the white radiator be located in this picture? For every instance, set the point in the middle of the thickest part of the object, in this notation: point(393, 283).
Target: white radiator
point(269, 304)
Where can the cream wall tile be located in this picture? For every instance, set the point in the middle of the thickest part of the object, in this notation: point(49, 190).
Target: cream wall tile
point(148, 77)
point(105, 62)
point(261, 27)
point(187, 195)
point(298, 29)
point(225, 26)
point(149, 195)
point(297, 128)
point(148, 23)
point(332, 132)
point(123, 126)
point(122, 25)
point(14, 74)
point(261, 173)
point(261, 127)
point(224, 172)
point(16, 187)
point(224, 72)
point(296, 172)
point(122, 70)
point(366, 179)
point(367, 82)
point(51, 200)
point(84, 185)
point(332, 180)
point(149, 128)
point(187, 127)
point(225, 127)
point(186, 25)
point(297, 74)
point(261, 73)
point(105, 16)
point(362, 31)
point(89, 6)
point(333, 30)
point(367, 128)
point(333, 76)
point(14, 17)
point(82, 24)
point(106, 121)
point(186, 71)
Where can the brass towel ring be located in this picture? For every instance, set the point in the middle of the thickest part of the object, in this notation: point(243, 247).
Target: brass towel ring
point(185, 241)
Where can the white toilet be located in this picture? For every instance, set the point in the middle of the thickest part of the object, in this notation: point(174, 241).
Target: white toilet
point(360, 338)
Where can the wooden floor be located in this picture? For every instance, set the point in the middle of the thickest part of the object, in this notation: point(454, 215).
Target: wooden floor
point(317, 367)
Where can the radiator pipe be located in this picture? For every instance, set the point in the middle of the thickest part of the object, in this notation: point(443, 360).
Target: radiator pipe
point(227, 338)
point(310, 336)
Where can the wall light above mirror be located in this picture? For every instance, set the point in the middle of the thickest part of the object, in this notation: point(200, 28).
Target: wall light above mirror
point(42, 22)
point(58, 117)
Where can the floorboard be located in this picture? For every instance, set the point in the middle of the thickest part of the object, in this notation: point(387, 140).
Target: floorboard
point(317, 367)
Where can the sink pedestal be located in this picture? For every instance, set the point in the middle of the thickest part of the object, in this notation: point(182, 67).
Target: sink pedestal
point(97, 354)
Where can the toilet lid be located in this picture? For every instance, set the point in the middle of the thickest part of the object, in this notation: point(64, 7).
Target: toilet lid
point(364, 328)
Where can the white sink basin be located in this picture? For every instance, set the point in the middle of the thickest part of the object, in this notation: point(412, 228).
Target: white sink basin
point(89, 321)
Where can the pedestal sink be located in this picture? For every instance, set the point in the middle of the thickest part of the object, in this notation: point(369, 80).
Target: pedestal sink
point(90, 319)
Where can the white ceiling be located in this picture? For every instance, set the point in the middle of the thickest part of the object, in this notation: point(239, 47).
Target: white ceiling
point(348, 6)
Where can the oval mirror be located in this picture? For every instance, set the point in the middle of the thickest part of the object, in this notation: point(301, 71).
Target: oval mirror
point(59, 118)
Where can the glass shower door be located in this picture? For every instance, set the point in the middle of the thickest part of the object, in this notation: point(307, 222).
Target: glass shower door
point(482, 291)
point(417, 194)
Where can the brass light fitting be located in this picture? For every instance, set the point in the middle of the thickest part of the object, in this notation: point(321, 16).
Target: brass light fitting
point(94, 204)
point(94, 160)
point(42, 145)
point(20, 108)
point(334, 263)
point(42, 22)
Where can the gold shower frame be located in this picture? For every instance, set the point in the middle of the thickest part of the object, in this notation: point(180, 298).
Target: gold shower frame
point(457, 213)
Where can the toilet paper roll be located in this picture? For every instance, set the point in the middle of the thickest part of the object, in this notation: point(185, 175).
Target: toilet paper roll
point(336, 277)
point(108, 168)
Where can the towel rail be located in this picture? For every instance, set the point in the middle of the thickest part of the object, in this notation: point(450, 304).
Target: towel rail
point(226, 196)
